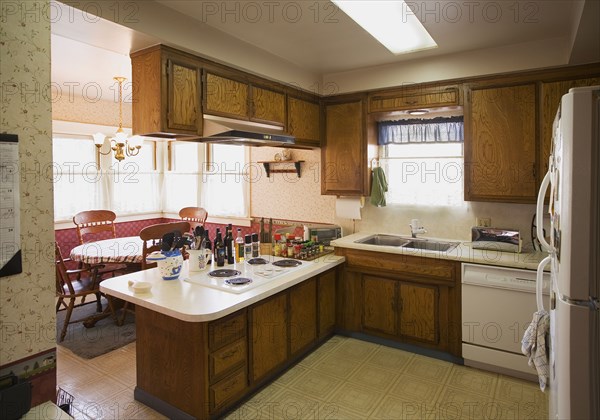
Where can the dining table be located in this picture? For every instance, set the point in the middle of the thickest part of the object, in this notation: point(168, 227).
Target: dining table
point(126, 250)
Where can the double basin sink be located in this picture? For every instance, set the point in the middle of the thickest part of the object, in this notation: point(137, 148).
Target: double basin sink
point(408, 242)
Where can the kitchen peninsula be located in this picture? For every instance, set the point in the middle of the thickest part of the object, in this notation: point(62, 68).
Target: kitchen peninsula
point(200, 350)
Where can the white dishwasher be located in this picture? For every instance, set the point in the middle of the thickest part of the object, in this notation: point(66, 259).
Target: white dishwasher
point(497, 306)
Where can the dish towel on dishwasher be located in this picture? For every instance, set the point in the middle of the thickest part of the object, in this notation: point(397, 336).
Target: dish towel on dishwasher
point(534, 346)
point(379, 187)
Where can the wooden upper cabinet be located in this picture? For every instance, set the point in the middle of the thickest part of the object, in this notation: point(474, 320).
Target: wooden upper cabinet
point(267, 106)
point(183, 89)
point(225, 97)
point(166, 93)
point(551, 94)
point(304, 121)
point(500, 144)
point(413, 97)
point(344, 155)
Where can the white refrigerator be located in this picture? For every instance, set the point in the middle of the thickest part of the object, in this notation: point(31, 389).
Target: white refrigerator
point(574, 256)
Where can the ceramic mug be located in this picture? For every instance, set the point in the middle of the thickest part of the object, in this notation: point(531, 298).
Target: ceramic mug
point(169, 263)
point(198, 259)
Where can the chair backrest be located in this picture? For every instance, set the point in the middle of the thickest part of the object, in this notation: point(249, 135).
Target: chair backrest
point(195, 215)
point(152, 236)
point(62, 278)
point(93, 222)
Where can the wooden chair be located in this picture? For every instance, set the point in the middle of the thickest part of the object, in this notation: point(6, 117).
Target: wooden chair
point(94, 222)
point(152, 237)
point(195, 215)
point(69, 290)
point(91, 225)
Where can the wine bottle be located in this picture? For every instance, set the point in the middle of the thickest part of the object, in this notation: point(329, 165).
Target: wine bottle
point(208, 245)
point(229, 245)
point(219, 249)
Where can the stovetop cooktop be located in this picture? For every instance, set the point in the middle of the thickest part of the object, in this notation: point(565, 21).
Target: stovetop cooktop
point(241, 277)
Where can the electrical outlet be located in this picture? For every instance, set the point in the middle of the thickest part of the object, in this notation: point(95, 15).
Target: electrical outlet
point(483, 221)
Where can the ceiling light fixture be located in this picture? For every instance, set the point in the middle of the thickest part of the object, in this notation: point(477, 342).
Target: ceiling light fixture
point(120, 144)
point(392, 23)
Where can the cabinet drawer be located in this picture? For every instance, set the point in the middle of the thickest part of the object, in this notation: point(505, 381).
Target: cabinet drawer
point(226, 359)
point(228, 389)
point(227, 330)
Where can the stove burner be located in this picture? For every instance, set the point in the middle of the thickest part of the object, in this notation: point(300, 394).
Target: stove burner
point(287, 263)
point(257, 261)
point(238, 281)
point(224, 272)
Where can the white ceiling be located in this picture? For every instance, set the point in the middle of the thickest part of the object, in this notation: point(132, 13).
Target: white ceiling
point(304, 41)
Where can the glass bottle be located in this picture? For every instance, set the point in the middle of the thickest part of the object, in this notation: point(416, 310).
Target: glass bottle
point(208, 245)
point(229, 245)
point(247, 247)
point(219, 249)
point(277, 245)
point(239, 246)
point(255, 245)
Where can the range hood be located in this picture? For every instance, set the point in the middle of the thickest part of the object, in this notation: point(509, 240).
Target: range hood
point(222, 130)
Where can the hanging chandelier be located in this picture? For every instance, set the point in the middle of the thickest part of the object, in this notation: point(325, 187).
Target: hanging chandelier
point(120, 144)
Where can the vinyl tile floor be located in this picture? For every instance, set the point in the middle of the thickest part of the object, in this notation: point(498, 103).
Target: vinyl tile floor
point(345, 378)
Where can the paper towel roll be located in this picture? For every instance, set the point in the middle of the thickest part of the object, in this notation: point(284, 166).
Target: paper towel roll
point(348, 207)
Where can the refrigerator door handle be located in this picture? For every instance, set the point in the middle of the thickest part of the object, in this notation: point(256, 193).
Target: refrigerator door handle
point(539, 283)
point(539, 214)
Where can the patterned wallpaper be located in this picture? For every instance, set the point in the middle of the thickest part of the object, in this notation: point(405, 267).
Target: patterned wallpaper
point(27, 317)
point(285, 196)
point(79, 109)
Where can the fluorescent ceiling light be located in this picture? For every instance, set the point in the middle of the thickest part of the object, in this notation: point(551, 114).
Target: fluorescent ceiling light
point(390, 22)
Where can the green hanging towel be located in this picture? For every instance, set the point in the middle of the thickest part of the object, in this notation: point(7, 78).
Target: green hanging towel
point(378, 188)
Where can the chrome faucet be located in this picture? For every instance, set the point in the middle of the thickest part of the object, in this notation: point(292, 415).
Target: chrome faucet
point(416, 228)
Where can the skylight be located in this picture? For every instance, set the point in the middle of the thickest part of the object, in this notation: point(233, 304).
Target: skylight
point(390, 22)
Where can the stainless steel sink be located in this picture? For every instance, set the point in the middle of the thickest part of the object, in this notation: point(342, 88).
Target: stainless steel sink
point(431, 245)
point(407, 242)
point(384, 240)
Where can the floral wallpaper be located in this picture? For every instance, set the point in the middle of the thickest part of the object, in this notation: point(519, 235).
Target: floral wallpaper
point(284, 195)
point(78, 109)
point(27, 315)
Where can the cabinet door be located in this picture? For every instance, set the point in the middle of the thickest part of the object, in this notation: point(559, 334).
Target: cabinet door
point(380, 297)
point(303, 315)
point(226, 97)
point(269, 336)
point(326, 297)
point(419, 312)
point(345, 154)
point(551, 95)
point(183, 97)
point(304, 121)
point(267, 106)
point(500, 144)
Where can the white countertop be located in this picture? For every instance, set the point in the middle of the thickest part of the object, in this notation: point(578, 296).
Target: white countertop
point(463, 252)
point(196, 303)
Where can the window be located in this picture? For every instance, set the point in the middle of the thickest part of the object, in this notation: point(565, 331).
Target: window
point(182, 186)
point(423, 161)
point(76, 177)
point(225, 181)
point(135, 182)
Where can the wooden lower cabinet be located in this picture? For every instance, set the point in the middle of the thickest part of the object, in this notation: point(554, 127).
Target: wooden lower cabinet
point(402, 298)
point(303, 316)
point(202, 369)
point(269, 336)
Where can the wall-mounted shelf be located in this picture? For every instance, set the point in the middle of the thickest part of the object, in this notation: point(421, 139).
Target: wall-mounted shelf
point(267, 164)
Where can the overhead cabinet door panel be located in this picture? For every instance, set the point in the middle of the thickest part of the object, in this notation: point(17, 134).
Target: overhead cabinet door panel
point(184, 97)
